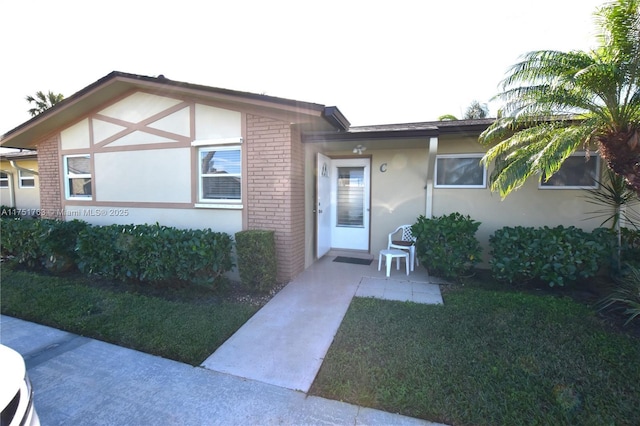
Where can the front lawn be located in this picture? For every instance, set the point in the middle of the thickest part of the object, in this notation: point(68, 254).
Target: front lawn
point(184, 324)
point(485, 358)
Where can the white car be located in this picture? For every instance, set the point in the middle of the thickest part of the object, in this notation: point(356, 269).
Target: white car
point(16, 395)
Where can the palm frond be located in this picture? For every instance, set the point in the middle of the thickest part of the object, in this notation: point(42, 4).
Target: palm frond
point(600, 89)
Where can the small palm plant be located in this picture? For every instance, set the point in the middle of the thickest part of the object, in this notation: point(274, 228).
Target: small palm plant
point(626, 296)
point(617, 201)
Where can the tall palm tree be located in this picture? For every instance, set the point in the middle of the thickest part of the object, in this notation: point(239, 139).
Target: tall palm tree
point(556, 102)
point(43, 102)
point(476, 110)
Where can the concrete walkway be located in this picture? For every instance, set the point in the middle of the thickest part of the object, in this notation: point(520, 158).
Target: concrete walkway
point(285, 342)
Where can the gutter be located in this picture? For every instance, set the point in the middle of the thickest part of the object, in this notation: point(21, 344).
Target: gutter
point(15, 166)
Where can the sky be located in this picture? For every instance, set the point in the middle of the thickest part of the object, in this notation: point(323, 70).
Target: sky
point(379, 62)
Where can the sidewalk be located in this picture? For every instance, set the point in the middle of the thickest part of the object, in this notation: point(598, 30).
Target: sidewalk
point(81, 381)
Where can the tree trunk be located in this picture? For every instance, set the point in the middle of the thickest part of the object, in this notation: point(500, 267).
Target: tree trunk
point(621, 151)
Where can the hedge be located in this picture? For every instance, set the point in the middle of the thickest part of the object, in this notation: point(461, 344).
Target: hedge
point(257, 263)
point(146, 253)
point(551, 255)
point(151, 253)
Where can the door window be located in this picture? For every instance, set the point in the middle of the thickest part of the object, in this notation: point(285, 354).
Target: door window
point(350, 197)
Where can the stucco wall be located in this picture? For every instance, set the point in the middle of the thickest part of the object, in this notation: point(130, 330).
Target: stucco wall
point(24, 198)
point(399, 195)
point(144, 161)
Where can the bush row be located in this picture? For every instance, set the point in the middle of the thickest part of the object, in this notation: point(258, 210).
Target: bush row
point(552, 255)
point(154, 253)
point(448, 248)
point(147, 253)
point(41, 243)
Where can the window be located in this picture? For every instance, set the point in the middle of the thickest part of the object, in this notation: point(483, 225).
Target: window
point(27, 179)
point(460, 171)
point(350, 197)
point(575, 173)
point(4, 180)
point(220, 174)
point(77, 171)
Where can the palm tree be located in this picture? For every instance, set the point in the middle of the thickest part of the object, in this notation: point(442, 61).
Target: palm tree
point(556, 102)
point(476, 110)
point(43, 102)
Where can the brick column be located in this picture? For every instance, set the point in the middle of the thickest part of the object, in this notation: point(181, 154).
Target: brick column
point(49, 176)
point(275, 181)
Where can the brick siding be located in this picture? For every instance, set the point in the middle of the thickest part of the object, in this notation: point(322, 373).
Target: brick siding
point(49, 174)
point(275, 181)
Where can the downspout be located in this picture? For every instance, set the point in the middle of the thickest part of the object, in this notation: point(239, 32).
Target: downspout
point(15, 166)
point(12, 194)
point(431, 166)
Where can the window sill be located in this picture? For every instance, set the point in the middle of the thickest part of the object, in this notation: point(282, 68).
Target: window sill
point(219, 206)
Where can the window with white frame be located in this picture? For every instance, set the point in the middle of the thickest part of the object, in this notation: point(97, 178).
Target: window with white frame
point(77, 176)
point(4, 180)
point(27, 179)
point(220, 174)
point(576, 172)
point(460, 171)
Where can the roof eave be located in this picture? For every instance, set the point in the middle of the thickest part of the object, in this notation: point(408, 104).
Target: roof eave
point(117, 83)
point(319, 137)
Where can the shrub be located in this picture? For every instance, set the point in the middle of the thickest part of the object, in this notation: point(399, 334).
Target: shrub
point(20, 239)
point(626, 297)
point(552, 255)
point(153, 253)
point(257, 263)
point(59, 244)
point(447, 245)
point(41, 243)
point(630, 245)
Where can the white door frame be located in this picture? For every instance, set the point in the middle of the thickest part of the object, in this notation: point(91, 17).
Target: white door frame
point(345, 237)
point(323, 205)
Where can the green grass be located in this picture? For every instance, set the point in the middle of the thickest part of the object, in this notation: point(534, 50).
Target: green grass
point(485, 358)
point(185, 330)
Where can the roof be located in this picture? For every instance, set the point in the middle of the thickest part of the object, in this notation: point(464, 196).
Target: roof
point(118, 83)
point(404, 130)
point(18, 155)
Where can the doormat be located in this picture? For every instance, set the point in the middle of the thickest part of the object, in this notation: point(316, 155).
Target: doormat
point(354, 260)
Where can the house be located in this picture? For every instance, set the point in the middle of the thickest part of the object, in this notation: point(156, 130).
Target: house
point(138, 149)
point(19, 181)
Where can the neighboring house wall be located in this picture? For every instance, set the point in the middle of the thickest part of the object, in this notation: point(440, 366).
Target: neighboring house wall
point(20, 189)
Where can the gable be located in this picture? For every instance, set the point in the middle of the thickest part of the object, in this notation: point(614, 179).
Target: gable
point(110, 98)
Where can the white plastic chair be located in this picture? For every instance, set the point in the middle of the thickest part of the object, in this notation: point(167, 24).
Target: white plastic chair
point(403, 239)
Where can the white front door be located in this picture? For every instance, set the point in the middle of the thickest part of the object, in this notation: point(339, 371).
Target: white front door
point(350, 203)
point(323, 205)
